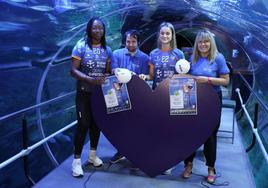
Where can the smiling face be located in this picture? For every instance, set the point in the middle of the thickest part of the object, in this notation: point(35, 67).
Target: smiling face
point(131, 43)
point(204, 47)
point(165, 35)
point(97, 31)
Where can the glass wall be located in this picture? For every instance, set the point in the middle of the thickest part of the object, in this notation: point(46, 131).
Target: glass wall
point(37, 37)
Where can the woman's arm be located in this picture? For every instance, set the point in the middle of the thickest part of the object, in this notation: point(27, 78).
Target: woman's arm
point(108, 67)
point(151, 73)
point(222, 80)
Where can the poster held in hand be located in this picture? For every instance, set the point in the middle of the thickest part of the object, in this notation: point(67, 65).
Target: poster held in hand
point(115, 95)
point(183, 99)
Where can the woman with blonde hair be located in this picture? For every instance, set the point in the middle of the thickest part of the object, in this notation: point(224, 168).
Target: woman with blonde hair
point(163, 59)
point(208, 66)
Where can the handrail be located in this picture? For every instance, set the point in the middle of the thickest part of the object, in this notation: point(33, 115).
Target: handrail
point(253, 92)
point(255, 131)
point(8, 116)
point(25, 146)
point(27, 151)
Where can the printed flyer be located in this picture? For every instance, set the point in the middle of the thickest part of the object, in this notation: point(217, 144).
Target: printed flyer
point(183, 96)
point(115, 95)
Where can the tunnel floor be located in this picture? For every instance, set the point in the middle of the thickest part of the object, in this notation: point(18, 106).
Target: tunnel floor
point(233, 168)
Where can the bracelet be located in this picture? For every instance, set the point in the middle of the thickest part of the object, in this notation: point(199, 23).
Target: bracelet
point(209, 80)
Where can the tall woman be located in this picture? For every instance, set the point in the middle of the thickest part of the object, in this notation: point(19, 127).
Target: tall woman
point(209, 66)
point(90, 62)
point(163, 59)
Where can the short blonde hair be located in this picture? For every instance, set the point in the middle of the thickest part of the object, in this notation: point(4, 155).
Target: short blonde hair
point(213, 51)
point(173, 42)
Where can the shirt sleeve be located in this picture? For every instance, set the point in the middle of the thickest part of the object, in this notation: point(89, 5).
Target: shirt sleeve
point(179, 54)
point(222, 65)
point(145, 68)
point(109, 52)
point(78, 49)
point(115, 61)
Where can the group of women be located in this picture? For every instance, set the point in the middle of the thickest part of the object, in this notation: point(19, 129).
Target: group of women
point(91, 59)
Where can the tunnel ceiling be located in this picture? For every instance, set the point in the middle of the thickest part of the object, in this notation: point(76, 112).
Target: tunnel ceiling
point(36, 32)
point(38, 29)
point(26, 24)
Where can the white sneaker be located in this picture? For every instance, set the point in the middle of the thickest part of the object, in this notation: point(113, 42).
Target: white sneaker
point(168, 171)
point(77, 170)
point(94, 159)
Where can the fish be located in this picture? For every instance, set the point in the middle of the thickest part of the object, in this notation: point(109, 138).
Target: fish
point(42, 8)
point(12, 26)
point(15, 65)
point(19, 1)
point(52, 18)
point(63, 5)
point(26, 48)
point(63, 42)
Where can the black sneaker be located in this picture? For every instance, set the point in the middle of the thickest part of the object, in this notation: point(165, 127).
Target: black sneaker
point(116, 158)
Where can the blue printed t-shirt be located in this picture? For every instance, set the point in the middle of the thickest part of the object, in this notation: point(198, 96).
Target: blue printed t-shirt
point(210, 69)
point(164, 63)
point(93, 62)
point(138, 63)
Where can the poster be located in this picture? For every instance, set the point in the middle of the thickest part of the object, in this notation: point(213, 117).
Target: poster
point(183, 96)
point(115, 95)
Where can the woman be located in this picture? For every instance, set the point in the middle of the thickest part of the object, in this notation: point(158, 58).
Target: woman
point(208, 66)
point(163, 59)
point(90, 62)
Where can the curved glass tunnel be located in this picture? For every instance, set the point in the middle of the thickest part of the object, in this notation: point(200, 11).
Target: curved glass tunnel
point(36, 41)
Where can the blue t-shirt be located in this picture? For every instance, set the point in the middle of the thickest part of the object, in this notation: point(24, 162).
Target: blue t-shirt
point(138, 63)
point(164, 63)
point(210, 69)
point(93, 62)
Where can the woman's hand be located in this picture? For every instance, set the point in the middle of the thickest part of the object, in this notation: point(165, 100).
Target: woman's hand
point(94, 81)
point(143, 76)
point(99, 80)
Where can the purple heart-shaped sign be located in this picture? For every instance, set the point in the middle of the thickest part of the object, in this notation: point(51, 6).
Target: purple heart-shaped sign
point(148, 135)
